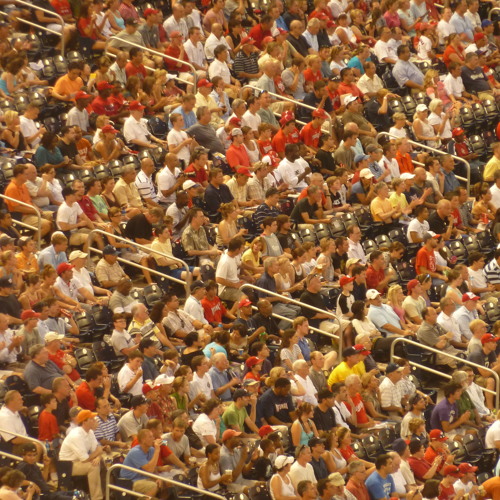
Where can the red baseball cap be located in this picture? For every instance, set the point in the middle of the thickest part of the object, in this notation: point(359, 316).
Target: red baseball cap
point(361, 349)
point(205, 83)
point(244, 303)
point(268, 39)
point(104, 86)
point(488, 337)
point(63, 267)
point(150, 12)
point(437, 435)
point(244, 171)
point(287, 117)
point(422, 26)
point(466, 467)
point(136, 106)
point(148, 388)
point(469, 296)
point(412, 284)
point(248, 40)
point(252, 361)
point(265, 430)
point(29, 314)
point(175, 34)
point(235, 121)
point(319, 113)
point(281, 31)
point(457, 131)
point(109, 129)
point(452, 470)
point(345, 280)
point(479, 36)
point(229, 433)
point(82, 95)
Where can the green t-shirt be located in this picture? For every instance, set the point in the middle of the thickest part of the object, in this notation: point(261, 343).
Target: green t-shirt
point(99, 204)
point(235, 417)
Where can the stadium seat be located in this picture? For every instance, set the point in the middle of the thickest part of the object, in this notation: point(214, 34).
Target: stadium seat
point(410, 106)
point(84, 357)
point(458, 250)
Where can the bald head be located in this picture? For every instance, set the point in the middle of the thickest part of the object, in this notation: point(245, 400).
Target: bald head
point(147, 165)
point(217, 29)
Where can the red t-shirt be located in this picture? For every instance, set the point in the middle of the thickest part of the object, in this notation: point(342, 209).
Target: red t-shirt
point(347, 453)
point(335, 98)
point(258, 34)
point(237, 156)
point(310, 135)
point(264, 147)
point(360, 409)
point(174, 51)
point(88, 208)
point(451, 50)
point(353, 89)
point(200, 176)
point(280, 140)
point(83, 24)
point(405, 163)
point(165, 452)
point(462, 149)
point(102, 106)
point(85, 396)
point(62, 7)
point(425, 259)
point(457, 220)
point(213, 310)
point(58, 359)
point(132, 70)
point(47, 426)
point(446, 493)
point(419, 467)
point(373, 278)
point(311, 76)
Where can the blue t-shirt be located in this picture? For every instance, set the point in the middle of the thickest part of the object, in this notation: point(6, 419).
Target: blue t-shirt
point(378, 487)
point(305, 349)
point(136, 458)
point(444, 411)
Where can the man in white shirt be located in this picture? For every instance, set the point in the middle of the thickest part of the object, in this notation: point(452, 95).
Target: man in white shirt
point(250, 117)
point(311, 34)
point(215, 39)
point(130, 376)
point(10, 420)
point(355, 248)
point(477, 280)
point(135, 128)
point(202, 382)
point(193, 302)
point(32, 135)
point(70, 218)
point(194, 49)
point(301, 371)
point(39, 189)
point(388, 160)
point(227, 272)
point(390, 395)
point(176, 21)
point(302, 469)
point(78, 115)
point(145, 185)
point(169, 179)
point(444, 28)
point(467, 484)
point(472, 15)
point(449, 323)
point(219, 67)
point(338, 7)
point(81, 448)
point(370, 83)
point(381, 48)
point(419, 225)
point(453, 83)
point(291, 170)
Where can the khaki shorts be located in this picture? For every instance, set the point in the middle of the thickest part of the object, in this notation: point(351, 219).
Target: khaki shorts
point(32, 220)
point(146, 487)
point(79, 238)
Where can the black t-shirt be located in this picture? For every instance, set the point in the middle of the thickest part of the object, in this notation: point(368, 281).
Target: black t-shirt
point(480, 358)
point(438, 225)
point(33, 474)
point(381, 122)
point(320, 469)
point(68, 150)
point(359, 291)
point(303, 206)
point(324, 421)
point(286, 241)
point(475, 80)
point(271, 405)
point(299, 44)
point(326, 159)
point(312, 100)
point(139, 227)
point(315, 300)
point(257, 320)
point(11, 306)
point(214, 197)
point(339, 261)
point(62, 412)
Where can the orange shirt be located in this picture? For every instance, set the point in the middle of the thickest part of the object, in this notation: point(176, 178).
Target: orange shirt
point(64, 86)
point(280, 140)
point(17, 192)
point(405, 163)
point(310, 135)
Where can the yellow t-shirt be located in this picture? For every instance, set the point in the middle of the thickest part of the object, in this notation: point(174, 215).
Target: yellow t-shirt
point(379, 206)
point(340, 373)
point(490, 168)
point(249, 257)
point(401, 199)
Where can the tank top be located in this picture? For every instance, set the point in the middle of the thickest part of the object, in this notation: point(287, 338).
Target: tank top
point(273, 247)
point(287, 489)
point(212, 477)
point(305, 436)
point(119, 21)
point(254, 156)
point(340, 461)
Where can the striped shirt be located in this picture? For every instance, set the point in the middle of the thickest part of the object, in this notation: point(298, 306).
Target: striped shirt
point(107, 429)
point(146, 187)
point(492, 272)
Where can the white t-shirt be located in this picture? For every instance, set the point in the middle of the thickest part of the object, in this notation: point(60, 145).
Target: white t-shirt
point(311, 391)
point(298, 473)
point(174, 138)
point(290, 172)
point(477, 279)
point(28, 128)
point(493, 434)
point(434, 119)
point(418, 227)
point(219, 68)
point(203, 385)
point(125, 375)
point(250, 120)
point(204, 426)
point(495, 195)
point(444, 30)
point(195, 53)
point(227, 269)
point(424, 47)
point(68, 214)
point(381, 50)
point(166, 180)
point(453, 86)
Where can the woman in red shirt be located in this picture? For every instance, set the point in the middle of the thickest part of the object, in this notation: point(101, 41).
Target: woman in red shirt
point(254, 366)
point(454, 50)
point(89, 28)
point(313, 71)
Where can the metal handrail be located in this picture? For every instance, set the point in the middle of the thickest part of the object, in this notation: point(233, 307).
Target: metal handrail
point(156, 53)
point(293, 101)
point(4, 454)
point(147, 250)
point(301, 304)
point(419, 145)
point(451, 356)
point(156, 477)
point(23, 224)
point(51, 13)
point(15, 434)
point(492, 10)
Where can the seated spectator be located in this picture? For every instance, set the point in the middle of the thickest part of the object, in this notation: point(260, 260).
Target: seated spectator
point(130, 377)
point(86, 392)
point(135, 419)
